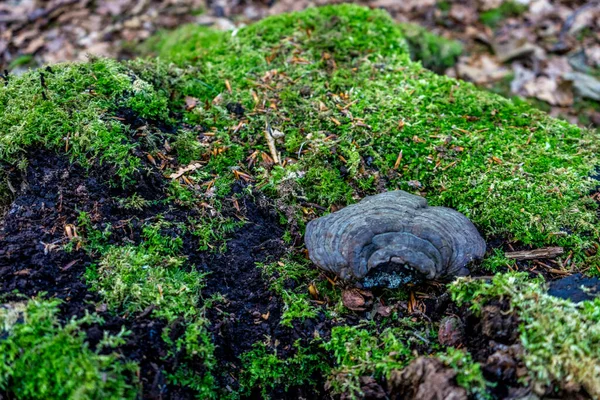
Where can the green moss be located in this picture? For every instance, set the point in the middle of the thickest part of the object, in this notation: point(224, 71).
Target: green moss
point(297, 304)
point(561, 338)
point(264, 370)
point(132, 278)
point(340, 86)
point(341, 98)
point(496, 261)
point(507, 9)
point(44, 358)
point(68, 107)
point(469, 374)
point(153, 277)
point(362, 352)
point(434, 52)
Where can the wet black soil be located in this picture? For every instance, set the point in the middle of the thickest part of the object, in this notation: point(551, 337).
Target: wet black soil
point(43, 217)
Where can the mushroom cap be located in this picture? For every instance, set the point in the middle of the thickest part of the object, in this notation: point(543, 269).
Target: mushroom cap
point(394, 227)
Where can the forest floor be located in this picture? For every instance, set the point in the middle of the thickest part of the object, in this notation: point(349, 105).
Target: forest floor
point(546, 51)
point(163, 203)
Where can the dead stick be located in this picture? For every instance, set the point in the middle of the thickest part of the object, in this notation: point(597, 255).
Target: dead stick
point(547, 252)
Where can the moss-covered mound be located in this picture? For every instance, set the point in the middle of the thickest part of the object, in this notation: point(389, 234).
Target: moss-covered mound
point(177, 188)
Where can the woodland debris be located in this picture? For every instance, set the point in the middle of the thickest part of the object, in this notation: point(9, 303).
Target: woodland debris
point(183, 170)
point(546, 252)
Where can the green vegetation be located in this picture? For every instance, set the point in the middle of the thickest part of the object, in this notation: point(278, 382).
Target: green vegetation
point(64, 107)
point(152, 277)
point(434, 52)
point(44, 358)
point(469, 374)
point(263, 369)
point(338, 83)
point(343, 92)
point(297, 303)
point(354, 116)
point(561, 338)
point(507, 9)
point(359, 351)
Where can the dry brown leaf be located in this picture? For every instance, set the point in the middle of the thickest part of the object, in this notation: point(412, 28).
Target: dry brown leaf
point(183, 170)
point(356, 299)
point(190, 102)
point(481, 70)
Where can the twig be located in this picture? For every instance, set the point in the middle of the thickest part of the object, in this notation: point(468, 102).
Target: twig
point(547, 252)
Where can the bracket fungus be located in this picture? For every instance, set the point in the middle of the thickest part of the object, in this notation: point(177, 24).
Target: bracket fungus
point(393, 238)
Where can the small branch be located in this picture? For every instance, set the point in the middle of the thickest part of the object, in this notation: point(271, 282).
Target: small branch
point(547, 252)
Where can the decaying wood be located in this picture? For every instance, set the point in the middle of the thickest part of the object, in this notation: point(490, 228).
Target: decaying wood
point(546, 252)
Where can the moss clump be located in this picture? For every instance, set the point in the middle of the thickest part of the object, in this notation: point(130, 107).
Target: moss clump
point(434, 52)
point(359, 351)
point(357, 116)
point(264, 370)
point(67, 108)
point(561, 338)
point(285, 274)
point(152, 276)
point(469, 373)
point(44, 358)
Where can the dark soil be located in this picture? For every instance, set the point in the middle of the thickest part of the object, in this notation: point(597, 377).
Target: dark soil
point(252, 311)
point(53, 191)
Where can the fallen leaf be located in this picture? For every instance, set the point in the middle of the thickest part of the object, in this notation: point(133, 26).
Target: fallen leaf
point(190, 103)
point(353, 299)
point(183, 170)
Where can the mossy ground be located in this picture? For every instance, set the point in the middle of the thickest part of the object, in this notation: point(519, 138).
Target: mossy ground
point(185, 136)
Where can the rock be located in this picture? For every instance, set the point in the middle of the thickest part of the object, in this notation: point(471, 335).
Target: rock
point(585, 85)
point(576, 288)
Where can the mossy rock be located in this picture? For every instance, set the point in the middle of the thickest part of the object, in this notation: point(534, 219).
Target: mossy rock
point(351, 115)
point(356, 114)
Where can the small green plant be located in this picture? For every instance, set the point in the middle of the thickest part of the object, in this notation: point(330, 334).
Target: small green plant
point(195, 348)
point(434, 52)
point(93, 240)
point(496, 262)
point(211, 232)
point(469, 374)
point(132, 278)
point(134, 202)
point(362, 352)
point(42, 357)
point(262, 368)
point(296, 303)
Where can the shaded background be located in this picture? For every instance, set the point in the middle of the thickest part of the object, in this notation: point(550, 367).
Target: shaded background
point(545, 51)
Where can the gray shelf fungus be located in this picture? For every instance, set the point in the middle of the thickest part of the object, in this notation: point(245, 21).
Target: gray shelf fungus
point(393, 238)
